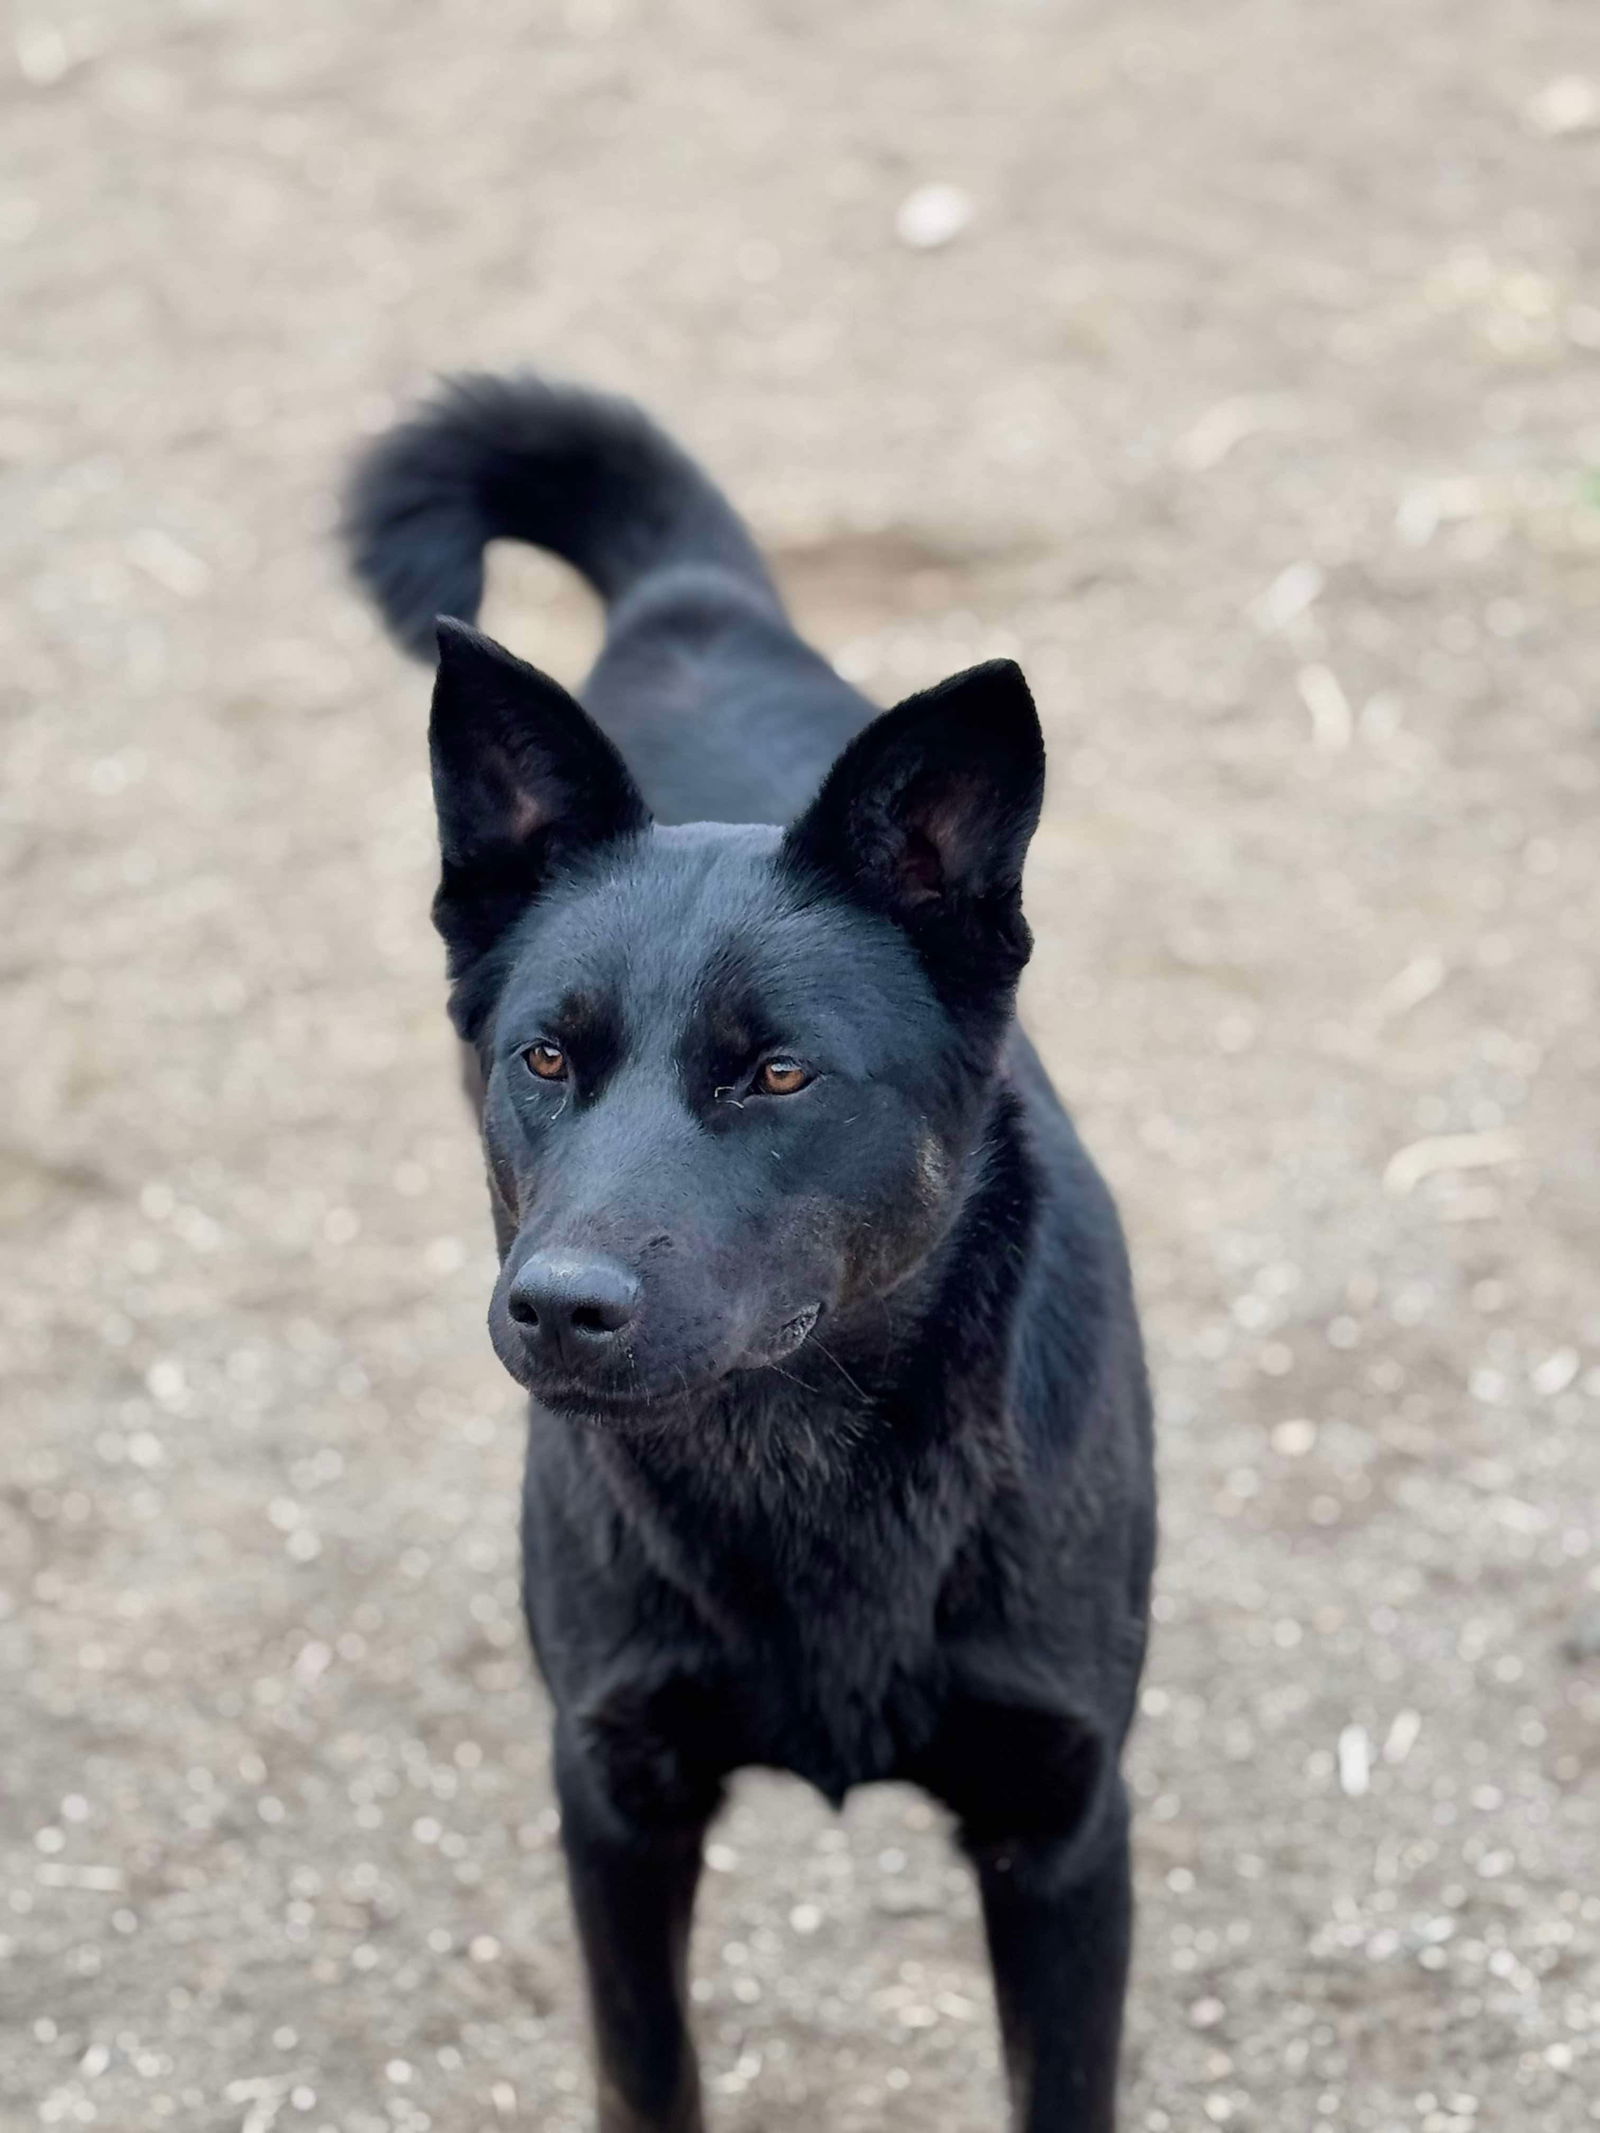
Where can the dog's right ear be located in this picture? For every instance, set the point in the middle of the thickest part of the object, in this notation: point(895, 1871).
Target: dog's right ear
point(523, 779)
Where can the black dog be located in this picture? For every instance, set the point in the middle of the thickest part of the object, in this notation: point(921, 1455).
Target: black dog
point(840, 1448)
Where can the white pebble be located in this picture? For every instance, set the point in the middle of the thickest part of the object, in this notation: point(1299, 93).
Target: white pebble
point(933, 215)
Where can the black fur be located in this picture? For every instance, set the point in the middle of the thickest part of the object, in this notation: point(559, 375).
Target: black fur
point(840, 1446)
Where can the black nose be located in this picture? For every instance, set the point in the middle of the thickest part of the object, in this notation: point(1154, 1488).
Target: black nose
point(573, 1302)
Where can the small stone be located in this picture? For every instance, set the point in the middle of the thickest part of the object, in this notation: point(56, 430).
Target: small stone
point(1355, 1762)
point(933, 215)
point(1556, 1372)
point(1582, 1640)
point(1569, 104)
point(1294, 1438)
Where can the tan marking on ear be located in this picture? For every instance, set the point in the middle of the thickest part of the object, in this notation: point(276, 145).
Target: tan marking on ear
point(527, 817)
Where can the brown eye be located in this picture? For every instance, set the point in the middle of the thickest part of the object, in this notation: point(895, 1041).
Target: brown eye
point(782, 1077)
point(548, 1061)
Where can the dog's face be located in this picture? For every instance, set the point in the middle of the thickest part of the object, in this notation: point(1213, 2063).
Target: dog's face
point(730, 1075)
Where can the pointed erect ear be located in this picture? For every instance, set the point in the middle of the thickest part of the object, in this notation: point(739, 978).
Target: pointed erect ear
point(927, 814)
point(522, 778)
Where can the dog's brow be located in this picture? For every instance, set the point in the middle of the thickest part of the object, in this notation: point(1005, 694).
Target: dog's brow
point(589, 1024)
point(729, 1019)
point(579, 1013)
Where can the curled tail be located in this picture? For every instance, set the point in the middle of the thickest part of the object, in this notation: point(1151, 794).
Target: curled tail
point(584, 474)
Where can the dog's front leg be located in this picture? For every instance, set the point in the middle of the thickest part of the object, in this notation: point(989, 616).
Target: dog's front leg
point(633, 1884)
point(1058, 1916)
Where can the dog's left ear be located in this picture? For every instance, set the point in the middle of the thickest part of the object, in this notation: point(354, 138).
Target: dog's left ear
point(927, 815)
point(523, 780)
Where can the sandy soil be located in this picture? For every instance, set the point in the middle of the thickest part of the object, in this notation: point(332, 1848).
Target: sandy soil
point(1255, 407)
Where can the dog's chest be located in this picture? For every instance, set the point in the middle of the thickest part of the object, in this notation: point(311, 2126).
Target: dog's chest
point(820, 1603)
point(833, 1709)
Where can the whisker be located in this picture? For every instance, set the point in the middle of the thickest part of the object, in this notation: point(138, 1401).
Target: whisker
point(834, 1360)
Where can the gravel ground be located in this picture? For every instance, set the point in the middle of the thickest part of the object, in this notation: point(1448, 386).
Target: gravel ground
point(1249, 396)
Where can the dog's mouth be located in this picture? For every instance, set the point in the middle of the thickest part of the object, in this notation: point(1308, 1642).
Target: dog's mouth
point(637, 1407)
point(575, 1402)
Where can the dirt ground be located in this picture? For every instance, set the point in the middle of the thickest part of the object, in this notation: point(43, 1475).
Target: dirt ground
point(1252, 398)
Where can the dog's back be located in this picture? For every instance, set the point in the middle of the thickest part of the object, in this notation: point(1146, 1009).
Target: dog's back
point(723, 713)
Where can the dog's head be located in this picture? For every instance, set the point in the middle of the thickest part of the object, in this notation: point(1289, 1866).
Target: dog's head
point(730, 1075)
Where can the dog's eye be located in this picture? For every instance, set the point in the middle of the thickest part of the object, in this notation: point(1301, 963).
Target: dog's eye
point(548, 1061)
point(782, 1077)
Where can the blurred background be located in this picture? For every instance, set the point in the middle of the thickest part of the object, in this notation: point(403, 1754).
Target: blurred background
point(1236, 365)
